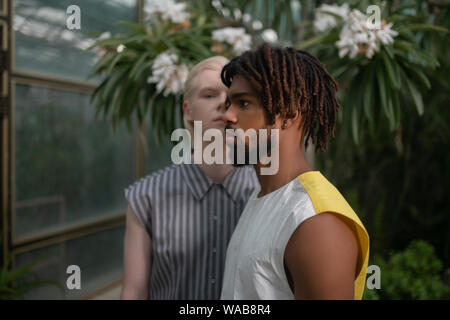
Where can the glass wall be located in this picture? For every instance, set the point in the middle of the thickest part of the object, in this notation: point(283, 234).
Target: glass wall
point(46, 46)
point(68, 168)
point(98, 255)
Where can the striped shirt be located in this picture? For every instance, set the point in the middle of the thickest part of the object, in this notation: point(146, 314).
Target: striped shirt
point(190, 220)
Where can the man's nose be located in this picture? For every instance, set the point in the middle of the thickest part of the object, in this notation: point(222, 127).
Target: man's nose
point(229, 116)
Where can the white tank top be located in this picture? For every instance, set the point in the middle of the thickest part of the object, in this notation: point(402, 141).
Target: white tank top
point(254, 267)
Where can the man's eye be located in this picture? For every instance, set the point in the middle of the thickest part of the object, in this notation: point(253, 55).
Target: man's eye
point(208, 96)
point(243, 103)
point(227, 103)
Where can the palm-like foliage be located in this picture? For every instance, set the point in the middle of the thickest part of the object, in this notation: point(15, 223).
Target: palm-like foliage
point(125, 92)
point(376, 92)
point(15, 283)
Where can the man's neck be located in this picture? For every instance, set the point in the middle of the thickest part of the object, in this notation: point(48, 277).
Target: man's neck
point(292, 163)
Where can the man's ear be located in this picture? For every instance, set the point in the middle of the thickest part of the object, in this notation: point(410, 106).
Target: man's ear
point(285, 123)
point(187, 111)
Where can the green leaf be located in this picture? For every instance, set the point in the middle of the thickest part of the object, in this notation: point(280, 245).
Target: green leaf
point(114, 62)
point(389, 51)
point(321, 38)
point(421, 76)
point(396, 107)
point(357, 101)
point(367, 99)
point(407, 47)
point(133, 27)
point(101, 65)
point(382, 91)
point(97, 90)
point(138, 64)
point(18, 273)
point(110, 42)
point(391, 69)
point(146, 66)
point(390, 108)
point(355, 125)
point(424, 27)
point(417, 97)
point(10, 294)
point(114, 80)
point(169, 113)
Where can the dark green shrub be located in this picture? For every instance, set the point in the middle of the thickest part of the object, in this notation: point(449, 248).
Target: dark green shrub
point(412, 274)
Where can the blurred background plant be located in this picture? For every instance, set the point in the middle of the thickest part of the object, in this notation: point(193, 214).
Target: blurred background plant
point(144, 70)
point(391, 151)
point(15, 283)
point(411, 274)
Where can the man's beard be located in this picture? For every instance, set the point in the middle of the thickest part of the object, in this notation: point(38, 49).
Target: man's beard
point(247, 151)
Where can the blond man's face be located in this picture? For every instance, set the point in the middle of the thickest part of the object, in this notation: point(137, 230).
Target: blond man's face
point(207, 100)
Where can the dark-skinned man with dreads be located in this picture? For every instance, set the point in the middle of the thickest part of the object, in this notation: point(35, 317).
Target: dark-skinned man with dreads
point(297, 238)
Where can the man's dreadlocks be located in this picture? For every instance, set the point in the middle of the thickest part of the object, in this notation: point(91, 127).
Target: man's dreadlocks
point(290, 80)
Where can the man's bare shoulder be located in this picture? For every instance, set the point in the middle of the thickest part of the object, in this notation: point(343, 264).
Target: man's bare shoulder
point(322, 255)
point(324, 231)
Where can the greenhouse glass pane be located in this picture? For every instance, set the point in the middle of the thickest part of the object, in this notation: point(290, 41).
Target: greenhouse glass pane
point(99, 257)
point(45, 45)
point(70, 168)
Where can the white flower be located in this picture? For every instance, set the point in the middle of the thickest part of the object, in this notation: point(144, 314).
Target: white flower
point(234, 36)
point(167, 10)
point(269, 35)
point(246, 17)
point(323, 20)
point(104, 35)
point(356, 38)
point(237, 14)
point(120, 48)
point(257, 25)
point(168, 74)
point(216, 4)
point(225, 12)
point(386, 34)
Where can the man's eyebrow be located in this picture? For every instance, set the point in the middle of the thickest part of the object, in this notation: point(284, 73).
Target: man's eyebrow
point(241, 94)
point(208, 88)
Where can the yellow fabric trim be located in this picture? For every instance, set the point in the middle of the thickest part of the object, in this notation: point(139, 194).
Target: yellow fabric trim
point(326, 198)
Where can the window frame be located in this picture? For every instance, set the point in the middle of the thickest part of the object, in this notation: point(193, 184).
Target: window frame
point(4, 11)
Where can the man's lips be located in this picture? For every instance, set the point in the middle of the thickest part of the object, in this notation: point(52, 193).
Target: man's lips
point(218, 119)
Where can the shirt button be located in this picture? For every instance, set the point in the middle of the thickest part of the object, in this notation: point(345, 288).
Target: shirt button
point(214, 250)
point(213, 281)
point(215, 217)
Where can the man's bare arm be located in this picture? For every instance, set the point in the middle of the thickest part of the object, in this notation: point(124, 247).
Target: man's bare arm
point(321, 257)
point(136, 262)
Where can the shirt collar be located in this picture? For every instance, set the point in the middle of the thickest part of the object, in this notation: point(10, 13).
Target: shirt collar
point(199, 183)
point(236, 182)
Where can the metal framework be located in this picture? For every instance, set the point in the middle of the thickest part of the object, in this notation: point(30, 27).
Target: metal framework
point(9, 79)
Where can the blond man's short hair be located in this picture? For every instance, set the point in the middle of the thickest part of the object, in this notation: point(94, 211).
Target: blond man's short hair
point(213, 63)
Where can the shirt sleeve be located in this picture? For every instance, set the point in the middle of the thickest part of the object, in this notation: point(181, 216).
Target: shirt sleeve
point(138, 197)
